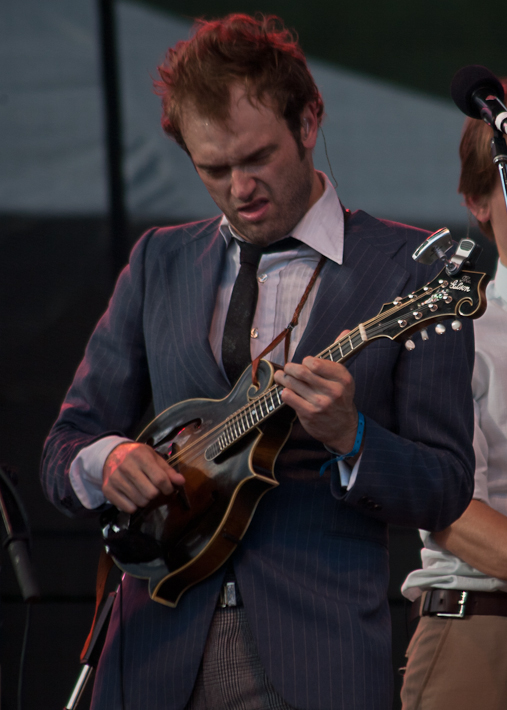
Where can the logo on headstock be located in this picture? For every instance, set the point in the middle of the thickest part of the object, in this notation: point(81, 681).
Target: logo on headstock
point(460, 285)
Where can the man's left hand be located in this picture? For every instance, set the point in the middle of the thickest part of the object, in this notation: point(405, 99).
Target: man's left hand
point(322, 394)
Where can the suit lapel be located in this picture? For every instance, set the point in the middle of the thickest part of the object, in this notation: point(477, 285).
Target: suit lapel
point(355, 291)
point(199, 263)
point(348, 294)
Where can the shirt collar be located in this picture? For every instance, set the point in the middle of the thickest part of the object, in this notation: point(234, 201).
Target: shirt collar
point(321, 228)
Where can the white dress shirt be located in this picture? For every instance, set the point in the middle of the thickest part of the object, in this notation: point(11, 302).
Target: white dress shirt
point(441, 568)
point(282, 277)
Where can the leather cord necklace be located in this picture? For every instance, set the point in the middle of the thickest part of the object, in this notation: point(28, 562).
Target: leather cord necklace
point(236, 354)
point(286, 332)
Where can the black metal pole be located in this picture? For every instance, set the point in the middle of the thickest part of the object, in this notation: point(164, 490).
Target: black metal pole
point(118, 242)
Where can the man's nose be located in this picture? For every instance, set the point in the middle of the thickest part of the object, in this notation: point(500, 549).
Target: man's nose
point(242, 184)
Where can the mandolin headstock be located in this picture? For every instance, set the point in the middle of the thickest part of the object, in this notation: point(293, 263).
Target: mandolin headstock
point(446, 296)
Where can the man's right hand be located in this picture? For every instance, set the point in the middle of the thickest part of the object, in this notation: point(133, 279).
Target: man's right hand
point(134, 474)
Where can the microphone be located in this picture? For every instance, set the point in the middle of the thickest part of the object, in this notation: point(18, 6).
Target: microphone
point(16, 537)
point(479, 94)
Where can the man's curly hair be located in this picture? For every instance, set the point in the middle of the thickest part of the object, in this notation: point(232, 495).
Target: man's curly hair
point(258, 52)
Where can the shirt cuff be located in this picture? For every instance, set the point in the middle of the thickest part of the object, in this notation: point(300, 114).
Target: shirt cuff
point(86, 470)
point(347, 475)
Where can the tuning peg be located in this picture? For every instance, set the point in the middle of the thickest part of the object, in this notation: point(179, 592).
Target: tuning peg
point(424, 334)
point(409, 344)
point(440, 329)
point(456, 324)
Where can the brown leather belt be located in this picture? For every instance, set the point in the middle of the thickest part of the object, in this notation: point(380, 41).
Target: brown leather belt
point(456, 604)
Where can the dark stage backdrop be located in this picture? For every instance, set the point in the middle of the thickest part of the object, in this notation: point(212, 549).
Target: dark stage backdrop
point(415, 44)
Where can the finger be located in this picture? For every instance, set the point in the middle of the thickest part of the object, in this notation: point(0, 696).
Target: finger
point(327, 370)
point(316, 399)
point(158, 473)
point(124, 495)
point(138, 472)
point(315, 378)
point(342, 334)
point(121, 502)
point(303, 406)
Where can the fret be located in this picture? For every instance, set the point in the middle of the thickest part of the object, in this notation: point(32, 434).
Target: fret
point(255, 412)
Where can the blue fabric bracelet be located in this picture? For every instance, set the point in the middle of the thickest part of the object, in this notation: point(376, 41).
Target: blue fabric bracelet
point(355, 448)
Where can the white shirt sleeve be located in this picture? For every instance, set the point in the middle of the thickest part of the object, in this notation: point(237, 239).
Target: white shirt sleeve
point(86, 470)
point(481, 460)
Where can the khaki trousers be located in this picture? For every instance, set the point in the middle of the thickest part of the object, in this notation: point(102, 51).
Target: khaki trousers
point(457, 664)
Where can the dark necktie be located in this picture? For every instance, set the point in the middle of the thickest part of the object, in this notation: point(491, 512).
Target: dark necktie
point(236, 354)
point(236, 340)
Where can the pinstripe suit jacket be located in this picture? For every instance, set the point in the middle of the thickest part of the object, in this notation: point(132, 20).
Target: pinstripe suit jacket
point(313, 565)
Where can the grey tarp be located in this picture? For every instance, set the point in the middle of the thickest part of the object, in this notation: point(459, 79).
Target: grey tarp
point(394, 152)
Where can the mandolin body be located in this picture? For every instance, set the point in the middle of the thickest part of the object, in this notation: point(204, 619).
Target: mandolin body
point(194, 530)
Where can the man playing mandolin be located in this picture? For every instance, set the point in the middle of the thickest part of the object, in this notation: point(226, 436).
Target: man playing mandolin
point(298, 615)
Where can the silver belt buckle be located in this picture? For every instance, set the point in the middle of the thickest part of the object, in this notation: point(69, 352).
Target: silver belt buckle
point(461, 613)
point(228, 595)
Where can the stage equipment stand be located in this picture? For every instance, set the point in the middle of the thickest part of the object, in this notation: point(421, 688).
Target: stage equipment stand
point(91, 658)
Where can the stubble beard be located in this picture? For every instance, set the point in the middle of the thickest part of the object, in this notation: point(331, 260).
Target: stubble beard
point(292, 205)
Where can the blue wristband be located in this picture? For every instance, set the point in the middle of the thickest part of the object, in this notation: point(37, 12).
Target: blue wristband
point(355, 448)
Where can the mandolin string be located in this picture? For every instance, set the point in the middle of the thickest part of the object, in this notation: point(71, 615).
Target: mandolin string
point(200, 444)
point(245, 410)
point(354, 335)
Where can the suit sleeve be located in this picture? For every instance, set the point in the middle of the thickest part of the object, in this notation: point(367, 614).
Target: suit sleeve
point(111, 388)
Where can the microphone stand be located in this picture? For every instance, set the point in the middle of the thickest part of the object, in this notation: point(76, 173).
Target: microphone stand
point(16, 540)
point(91, 658)
point(499, 154)
point(16, 537)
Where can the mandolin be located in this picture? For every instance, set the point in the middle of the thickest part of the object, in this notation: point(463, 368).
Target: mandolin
point(226, 450)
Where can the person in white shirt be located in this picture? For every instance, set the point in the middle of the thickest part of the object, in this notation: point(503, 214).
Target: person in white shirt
point(457, 657)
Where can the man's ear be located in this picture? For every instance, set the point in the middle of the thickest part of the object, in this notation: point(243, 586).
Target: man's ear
point(309, 126)
point(480, 207)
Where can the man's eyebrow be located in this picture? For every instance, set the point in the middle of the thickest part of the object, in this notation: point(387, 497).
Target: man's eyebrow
point(250, 158)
